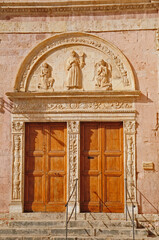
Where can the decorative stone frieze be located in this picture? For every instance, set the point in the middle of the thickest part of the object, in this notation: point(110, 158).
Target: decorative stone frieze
point(23, 107)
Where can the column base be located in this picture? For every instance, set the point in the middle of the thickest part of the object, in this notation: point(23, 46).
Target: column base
point(129, 207)
point(71, 205)
point(16, 207)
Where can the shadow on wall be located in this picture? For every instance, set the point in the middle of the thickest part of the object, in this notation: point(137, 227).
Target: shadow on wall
point(5, 106)
point(141, 196)
point(143, 220)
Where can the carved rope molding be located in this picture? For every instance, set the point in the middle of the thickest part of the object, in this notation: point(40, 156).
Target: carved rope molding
point(73, 136)
point(69, 39)
point(72, 7)
point(129, 130)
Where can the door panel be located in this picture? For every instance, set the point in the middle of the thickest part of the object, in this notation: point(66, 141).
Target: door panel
point(102, 174)
point(45, 167)
point(90, 167)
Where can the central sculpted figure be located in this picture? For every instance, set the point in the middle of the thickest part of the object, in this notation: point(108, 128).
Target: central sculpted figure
point(74, 66)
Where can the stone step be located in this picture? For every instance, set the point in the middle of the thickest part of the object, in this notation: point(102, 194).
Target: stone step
point(121, 232)
point(70, 238)
point(61, 216)
point(72, 224)
point(87, 232)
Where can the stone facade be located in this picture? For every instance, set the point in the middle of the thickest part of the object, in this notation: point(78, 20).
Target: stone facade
point(115, 51)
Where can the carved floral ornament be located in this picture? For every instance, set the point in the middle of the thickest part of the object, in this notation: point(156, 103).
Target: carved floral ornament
point(70, 58)
point(22, 107)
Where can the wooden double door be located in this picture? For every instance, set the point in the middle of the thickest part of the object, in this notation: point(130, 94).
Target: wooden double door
point(101, 167)
point(45, 167)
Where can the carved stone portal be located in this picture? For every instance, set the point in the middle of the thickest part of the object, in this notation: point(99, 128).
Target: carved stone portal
point(33, 101)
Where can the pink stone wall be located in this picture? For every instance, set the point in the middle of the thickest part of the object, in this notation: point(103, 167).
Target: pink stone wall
point(140, 49)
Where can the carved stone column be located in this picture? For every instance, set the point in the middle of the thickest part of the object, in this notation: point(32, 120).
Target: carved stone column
point(73, 162)
point(130, 162)
point(17, 167)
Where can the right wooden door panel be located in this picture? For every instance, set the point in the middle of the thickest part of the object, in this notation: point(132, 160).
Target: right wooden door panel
point(102, 174)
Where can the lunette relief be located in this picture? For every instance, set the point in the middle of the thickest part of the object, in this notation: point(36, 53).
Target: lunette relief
point(79, 68)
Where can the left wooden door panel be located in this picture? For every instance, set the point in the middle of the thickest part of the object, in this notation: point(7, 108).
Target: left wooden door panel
point(45, 167)
point(35, 167)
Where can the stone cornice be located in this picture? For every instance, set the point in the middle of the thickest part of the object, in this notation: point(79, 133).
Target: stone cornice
point(74, 94)
point(75, 7)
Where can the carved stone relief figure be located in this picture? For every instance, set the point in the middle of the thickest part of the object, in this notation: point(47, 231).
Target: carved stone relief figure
point(47, 81)
point(102, 75)
point(74, 65)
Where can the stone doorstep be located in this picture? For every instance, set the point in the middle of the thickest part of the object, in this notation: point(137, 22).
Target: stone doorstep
point(70, 238)
point(72, 223)
point(61, 216)
point(74, 232)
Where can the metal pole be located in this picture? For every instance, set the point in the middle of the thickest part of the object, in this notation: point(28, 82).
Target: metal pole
point(66, 219)
point(133, 221)
point(126, 198)
point(76, 199)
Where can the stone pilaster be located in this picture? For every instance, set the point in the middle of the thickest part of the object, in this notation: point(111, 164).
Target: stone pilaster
point(73, 161)
point(17, 167)
point(130, 161)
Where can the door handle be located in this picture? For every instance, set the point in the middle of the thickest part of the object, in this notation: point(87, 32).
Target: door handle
point(57, 174)
point(89, 157)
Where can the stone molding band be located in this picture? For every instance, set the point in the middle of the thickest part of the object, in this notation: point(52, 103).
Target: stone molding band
point(74, 7)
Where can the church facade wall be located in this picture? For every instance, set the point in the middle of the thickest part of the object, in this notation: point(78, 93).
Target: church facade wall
point(135, 34)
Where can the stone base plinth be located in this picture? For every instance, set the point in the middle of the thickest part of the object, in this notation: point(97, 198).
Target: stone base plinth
point(16, 207)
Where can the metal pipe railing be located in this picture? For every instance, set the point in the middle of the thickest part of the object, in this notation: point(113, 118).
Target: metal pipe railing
point(74, 207)
point(127, 210)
